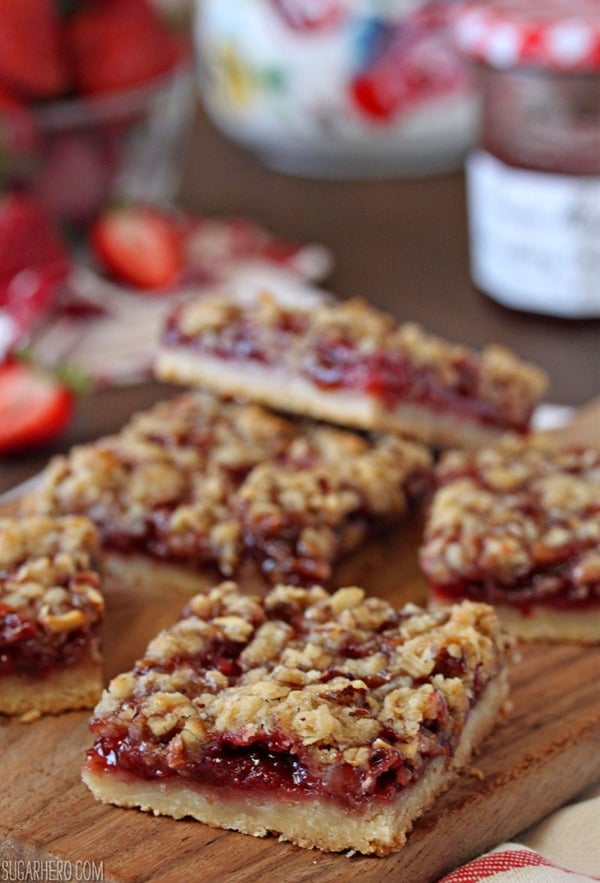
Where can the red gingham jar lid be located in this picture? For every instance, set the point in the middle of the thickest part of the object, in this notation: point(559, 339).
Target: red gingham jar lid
point(560, 35)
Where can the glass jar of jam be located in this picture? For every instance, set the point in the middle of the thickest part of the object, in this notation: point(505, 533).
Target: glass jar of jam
point(533, 182)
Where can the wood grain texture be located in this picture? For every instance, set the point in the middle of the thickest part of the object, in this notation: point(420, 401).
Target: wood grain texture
point(546, 752)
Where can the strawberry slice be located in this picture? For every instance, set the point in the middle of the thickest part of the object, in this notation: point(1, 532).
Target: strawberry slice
point(35, 408)
point(139, 245)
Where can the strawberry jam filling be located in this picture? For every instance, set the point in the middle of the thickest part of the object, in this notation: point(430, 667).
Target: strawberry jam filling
point(279, 557)
point(272, 762)
point(550, 588)
point(264, 768)
point(27, 648)
point(394, 379)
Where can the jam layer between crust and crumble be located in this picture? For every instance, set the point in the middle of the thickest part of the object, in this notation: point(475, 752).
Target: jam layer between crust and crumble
point(553, 590)
point(205, 483)
point(51, 606)
point(30, 648)
point(517, 524)
point(352, 346)
point(300, 693)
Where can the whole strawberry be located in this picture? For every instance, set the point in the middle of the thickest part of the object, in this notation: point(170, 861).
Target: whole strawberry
point(117, 44)
point(33, 62)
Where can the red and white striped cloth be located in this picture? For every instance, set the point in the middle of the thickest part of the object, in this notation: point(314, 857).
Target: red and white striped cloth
point(562, 848)
point(514, 863)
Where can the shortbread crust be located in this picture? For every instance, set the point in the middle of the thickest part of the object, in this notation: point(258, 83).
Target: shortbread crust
point(331, 720)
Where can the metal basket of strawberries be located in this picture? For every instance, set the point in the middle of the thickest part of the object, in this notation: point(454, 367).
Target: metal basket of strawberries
point(95, 96)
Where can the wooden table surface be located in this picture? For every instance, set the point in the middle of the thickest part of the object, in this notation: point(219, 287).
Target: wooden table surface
point(402, 244)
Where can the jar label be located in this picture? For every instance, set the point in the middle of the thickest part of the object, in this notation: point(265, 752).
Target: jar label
point(535, 237)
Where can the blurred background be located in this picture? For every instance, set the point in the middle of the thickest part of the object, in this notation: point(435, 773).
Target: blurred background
point(152, 145)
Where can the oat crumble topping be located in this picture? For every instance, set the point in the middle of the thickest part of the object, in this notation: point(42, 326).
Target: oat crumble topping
point(341, 684)
point(202, 482)
point(518, 515)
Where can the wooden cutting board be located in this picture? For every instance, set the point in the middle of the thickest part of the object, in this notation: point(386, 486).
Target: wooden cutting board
point(547, 751)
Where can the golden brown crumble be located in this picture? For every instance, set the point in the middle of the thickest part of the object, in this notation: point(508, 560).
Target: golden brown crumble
point(333, 679)
point(509, 386)
point(48, 572)
point(515, 510)
point(200, 481)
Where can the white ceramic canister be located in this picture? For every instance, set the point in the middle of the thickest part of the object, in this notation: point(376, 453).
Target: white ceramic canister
point(337, 88)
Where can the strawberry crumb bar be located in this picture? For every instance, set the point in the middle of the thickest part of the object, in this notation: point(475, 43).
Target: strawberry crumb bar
point(51, 610)
point(198, 483)
point(350, 364)
point(517, 525)
point(331, 720)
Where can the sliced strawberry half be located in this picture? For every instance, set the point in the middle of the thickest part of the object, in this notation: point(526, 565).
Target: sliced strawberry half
point(35, 408)
point(140, 245)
